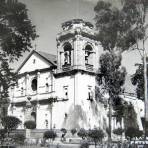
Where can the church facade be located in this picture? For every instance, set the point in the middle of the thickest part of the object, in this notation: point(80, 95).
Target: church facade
point(58, 91)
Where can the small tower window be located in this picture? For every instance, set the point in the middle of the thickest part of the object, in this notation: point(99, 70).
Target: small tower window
point(67, 54)
point(88, 55)
point(34, 84)
point(34, 61)
point(90, 94)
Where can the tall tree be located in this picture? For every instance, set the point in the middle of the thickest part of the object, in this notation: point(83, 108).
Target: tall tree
point(113, 77)
point(16, 35)
point(119, 29)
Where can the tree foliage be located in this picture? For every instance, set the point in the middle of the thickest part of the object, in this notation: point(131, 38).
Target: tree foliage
point(133, 132)
point(138, 80)
point(19, 138)
point(120, 28)
point(16, 35)
point(50, 134)
point(2, 134)
point(73, 131)
point(16, 30)
point(112, 74)
point(118, 131)
point(96, 135)
point(84, 145)
point(82, 133)
point(130, 116)
point(10, 122)
point(64, 130)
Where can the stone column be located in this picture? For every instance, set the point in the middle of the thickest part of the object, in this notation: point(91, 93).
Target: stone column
point(27, 85)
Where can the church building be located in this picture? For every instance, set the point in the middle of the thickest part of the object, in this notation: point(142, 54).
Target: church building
point(58, 91)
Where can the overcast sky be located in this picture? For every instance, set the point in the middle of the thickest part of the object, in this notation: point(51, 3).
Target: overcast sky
point(48, 15)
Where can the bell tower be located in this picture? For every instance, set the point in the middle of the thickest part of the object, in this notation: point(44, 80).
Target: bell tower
point(77, 47)
point(77, 63)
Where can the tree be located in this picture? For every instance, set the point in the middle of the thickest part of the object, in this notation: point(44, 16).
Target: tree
point(73, 131)
point(50, 134)
point(82, 133)
point(118, 131)
point(16, 35)
point(10, 122)
point(96, 135)
point(64, 131)
point(84, 145)
point(112, 79)
point(133, 132)
point(112, 74)
point(119, 29)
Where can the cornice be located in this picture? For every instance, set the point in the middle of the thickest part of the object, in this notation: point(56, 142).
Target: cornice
point(37, 70)
point(73, 72)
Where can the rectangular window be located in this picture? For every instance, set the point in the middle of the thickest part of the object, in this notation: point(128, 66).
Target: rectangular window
point(90, 93)
point(65, 92)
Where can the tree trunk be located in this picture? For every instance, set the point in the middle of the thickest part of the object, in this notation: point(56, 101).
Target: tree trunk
point(95, 145)
point(110, 118)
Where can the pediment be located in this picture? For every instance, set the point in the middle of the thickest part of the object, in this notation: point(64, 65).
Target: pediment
point(36, 61)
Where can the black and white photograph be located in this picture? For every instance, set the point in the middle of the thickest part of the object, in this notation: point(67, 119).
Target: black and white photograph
point(73, 74)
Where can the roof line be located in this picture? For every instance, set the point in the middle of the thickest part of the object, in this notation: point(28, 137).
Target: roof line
point(33, 51)
point(45, 58)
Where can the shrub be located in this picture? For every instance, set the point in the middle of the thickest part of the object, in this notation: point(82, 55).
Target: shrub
point(64, 130)
point(50, 134)
point(73, 131)
point(19, 138)
point(63, 135)
point(30, 124)
point(84, 145)
point(96, 135)
point(82, 133)
point(132, 132)
point(2, 134)
point(118, 131)
point(10, 122)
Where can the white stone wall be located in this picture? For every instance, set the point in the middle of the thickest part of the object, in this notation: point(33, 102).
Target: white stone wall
point(81, 112)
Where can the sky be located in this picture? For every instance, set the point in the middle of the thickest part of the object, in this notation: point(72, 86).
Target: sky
point(48, 15)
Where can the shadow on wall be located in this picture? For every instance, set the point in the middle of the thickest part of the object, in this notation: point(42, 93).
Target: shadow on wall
point(76, 118)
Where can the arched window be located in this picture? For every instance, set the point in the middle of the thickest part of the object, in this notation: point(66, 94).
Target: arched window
point(33, 115)
point(34, 84)
point(88, 54)
point(47, 87)
point(67, 54)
